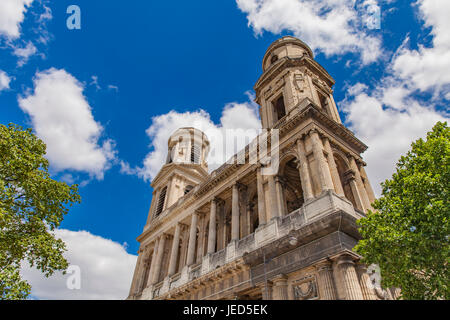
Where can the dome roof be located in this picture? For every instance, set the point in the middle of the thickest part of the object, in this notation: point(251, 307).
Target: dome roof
point(285, 46)
point(190, 132)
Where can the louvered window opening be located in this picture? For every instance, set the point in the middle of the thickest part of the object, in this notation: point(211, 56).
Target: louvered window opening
point(161, 200)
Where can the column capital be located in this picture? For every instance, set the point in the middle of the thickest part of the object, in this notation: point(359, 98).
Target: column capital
point(313, 131)
point(345, 259)
point(361, 267)
point(279, 179)
point(240, 186)
point(300, 139)
point(280, 279)
point(324, 265)
point(349, 175)
point(164, 236)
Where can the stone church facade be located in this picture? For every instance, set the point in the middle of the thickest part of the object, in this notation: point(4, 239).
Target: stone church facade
point(237, 233)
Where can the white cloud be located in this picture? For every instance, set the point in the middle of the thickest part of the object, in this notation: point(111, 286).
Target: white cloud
point(235, 117)
point(12, 13)
point(63, 119)
point(4, 80)
point(428, 67)
point(333, 27)
point(94, 83)
point(387, 131)
point(106, 269)
point(24, 53)
point(113, 87)
point(390, 117)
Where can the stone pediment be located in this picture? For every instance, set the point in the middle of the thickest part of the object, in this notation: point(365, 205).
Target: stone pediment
point(185, 169)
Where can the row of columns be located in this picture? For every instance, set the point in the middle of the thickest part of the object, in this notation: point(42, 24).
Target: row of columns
point(328, 179)
point(328, 175)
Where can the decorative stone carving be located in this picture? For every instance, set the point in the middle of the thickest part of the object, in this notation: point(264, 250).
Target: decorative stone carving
point(305, 288)
point(299, 82)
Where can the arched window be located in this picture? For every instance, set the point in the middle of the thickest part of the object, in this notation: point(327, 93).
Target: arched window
point(161, 200)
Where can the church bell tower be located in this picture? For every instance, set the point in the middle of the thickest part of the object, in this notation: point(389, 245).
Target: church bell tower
point(298, 76)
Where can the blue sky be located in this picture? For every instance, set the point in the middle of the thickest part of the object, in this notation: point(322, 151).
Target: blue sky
point(117, 88)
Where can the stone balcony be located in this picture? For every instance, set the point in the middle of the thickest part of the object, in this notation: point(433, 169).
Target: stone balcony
point(300, 222)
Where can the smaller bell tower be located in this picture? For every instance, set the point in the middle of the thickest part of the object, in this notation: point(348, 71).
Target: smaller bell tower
point(290, 74)
point(185, 168)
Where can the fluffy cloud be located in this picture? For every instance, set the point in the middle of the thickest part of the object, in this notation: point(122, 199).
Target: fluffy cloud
point(106, 269)
point(24, 53)
point(12, 13)
point(4, 80)
point(388, 131)
point(330, 26)
point(428, 67)
point(63, 119)
point(238, 121)
point(390, 116)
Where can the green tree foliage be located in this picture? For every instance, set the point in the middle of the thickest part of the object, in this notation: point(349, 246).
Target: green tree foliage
point(32, 205)
point(408, 235)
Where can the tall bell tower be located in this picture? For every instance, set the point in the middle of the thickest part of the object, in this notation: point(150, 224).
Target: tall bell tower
point(185, 168)
point(298, 76)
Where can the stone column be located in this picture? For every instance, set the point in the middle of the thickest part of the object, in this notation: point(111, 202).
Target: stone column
point(235, 217)
point(212, 227)
point(159, 257)
point(280, 287)
point(201, 237)
point(137, 274)
point(220, 228)
point(266, 290)
point(248, 219)
point(174, 251)
point(336, 113)
point(368, 186)
point(359, 183)
point(192, 239)
point(365, 283)
point(153, 263)
point(333, 169)
point(325, 180)
point(273, 197)
point(280, 197)
point(303, 167)
point(261, 202)
point(350, 177)
point(327, 288)
point(184, 246)
point(349, 279)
